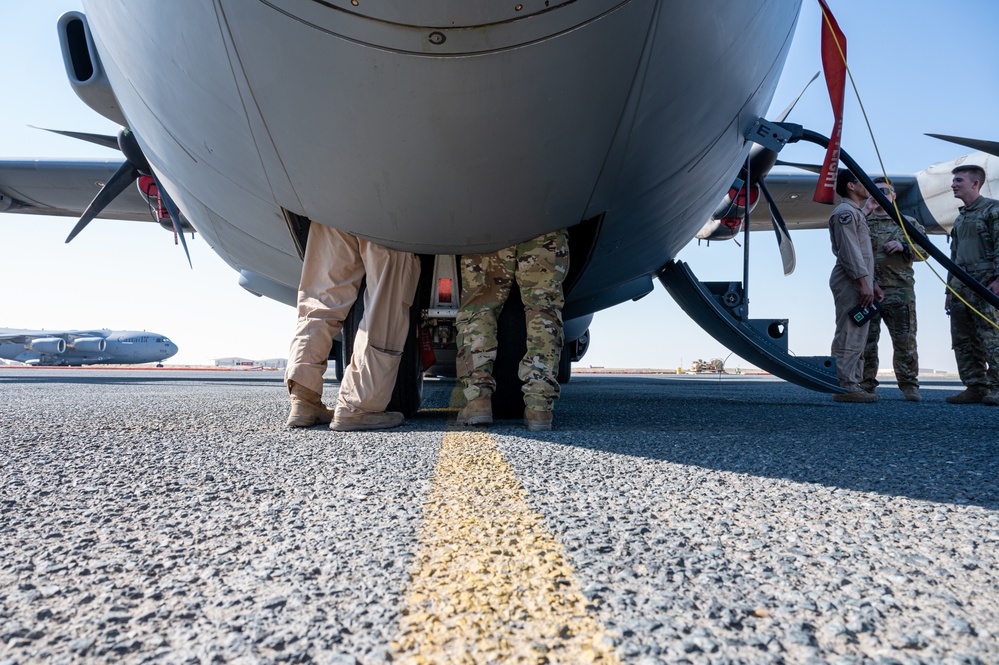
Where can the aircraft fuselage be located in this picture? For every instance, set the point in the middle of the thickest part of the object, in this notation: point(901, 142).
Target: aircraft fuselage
point(447, 127)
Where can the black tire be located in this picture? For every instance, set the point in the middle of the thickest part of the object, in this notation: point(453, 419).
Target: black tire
point(336, 355)
point(408, 392)
point(564, 366)
point(511, 340)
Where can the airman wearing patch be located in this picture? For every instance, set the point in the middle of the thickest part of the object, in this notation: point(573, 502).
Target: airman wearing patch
point(975, 247)
point(893, 258)
point(852, 284)
point(539, 267)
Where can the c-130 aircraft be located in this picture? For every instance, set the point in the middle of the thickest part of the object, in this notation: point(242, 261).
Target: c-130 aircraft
point(440, 128)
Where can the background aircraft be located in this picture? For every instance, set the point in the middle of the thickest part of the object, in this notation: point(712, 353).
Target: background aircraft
point(84, 347)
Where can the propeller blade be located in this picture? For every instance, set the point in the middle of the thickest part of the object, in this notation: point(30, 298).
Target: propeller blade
point(991, 147)
point(813, 168)
point(116, 184)
point(98, 139)
point(783, 237)
point(174, 219)
point(783, 116)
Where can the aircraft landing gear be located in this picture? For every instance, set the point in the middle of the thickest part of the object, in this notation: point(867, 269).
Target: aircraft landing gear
point(720, 308)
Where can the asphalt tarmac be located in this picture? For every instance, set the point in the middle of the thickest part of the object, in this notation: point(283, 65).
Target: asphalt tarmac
point(168, 516)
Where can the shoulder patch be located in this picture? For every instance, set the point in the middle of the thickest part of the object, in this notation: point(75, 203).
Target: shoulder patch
point(845, 218)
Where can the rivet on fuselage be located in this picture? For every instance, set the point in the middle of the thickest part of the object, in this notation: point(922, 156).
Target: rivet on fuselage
point(436, 37)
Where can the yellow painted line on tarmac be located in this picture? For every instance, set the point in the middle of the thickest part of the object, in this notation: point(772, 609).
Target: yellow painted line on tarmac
point(490, 584)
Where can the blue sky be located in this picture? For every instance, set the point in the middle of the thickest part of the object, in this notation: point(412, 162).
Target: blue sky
point(920, 66)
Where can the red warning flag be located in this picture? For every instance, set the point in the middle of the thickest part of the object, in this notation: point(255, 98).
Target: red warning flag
point(834, 68)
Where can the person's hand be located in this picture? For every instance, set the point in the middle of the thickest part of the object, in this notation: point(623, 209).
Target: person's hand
point(994, 286)
point(893, 247)
point(866, 293)
point(947, 303)
point(879, 293)
point(870, 205)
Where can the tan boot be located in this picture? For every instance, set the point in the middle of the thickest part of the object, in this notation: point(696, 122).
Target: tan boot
point(969, 396)
point(307, 408)
point(346, 421)
point(477, 412)
point(856, 396)
point(911, 394)
point(537, 421)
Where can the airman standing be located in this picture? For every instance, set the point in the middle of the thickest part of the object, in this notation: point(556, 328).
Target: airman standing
point(335, 263)
point(893, 272)
point(852, 284)
point(539, 267)
point(975, 247)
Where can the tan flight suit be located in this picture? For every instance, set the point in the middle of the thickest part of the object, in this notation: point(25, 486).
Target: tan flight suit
point(335, 264)
point(975, 247)
point(851, 244)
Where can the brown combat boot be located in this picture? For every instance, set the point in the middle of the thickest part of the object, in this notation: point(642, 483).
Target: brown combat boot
point(911, 394)
point(346, 421)
point(307, 408)
point(969, 396)
point(477, 412)
point(537, 421)
point(856, 396)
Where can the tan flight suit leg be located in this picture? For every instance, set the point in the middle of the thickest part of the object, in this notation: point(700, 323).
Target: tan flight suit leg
point(335, 263)
point(850, 339)
point(392, 278)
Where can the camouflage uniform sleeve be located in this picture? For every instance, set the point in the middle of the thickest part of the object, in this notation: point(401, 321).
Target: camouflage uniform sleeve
point(952, 237)
point(914, 252)
point(992, 222)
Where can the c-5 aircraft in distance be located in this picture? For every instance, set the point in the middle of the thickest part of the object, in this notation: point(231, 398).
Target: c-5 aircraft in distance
point(441, 127)
point(84, 347)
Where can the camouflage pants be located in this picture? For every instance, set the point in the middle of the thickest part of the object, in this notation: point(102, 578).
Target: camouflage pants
point(539, 266)
point(975, 341)
point(900, 319)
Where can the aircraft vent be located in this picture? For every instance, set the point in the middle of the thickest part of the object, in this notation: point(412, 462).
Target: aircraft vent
point(77, 51)
point(83, 67)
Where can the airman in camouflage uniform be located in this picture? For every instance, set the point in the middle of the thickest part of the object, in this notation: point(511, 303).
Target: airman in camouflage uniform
point(893, 259)
point(539, 267)
point(975, 247)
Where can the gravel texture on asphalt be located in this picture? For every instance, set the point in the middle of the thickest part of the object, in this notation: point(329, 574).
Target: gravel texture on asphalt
point(170, 517)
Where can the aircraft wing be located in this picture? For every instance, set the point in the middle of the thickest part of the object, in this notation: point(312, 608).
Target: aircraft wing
point(15, 336)
point(65, 188)
point(792, 192)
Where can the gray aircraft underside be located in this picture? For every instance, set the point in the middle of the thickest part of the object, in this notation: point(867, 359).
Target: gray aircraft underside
point(84, 347)
point(626, 116)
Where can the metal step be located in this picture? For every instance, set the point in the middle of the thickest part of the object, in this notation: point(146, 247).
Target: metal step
point(720, 308)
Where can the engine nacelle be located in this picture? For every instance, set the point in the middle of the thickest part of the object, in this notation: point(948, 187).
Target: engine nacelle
point(89, 344)
point(721, 229)
point(728, 219)
point(55, 345)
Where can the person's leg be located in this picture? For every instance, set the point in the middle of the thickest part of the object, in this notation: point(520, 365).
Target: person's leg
point(370, 378)
point(485, 287)
point(900, 318)
point(542, 265)
point(331, 274)
point(870, 377)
